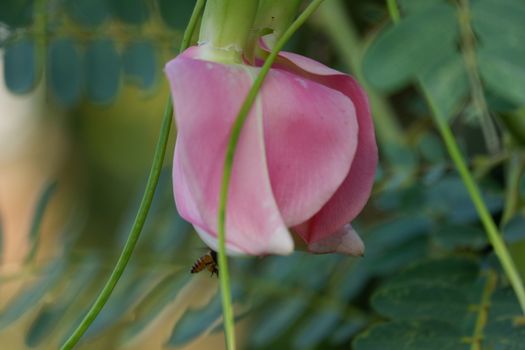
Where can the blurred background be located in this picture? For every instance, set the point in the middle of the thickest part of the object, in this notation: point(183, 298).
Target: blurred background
point(82, 93)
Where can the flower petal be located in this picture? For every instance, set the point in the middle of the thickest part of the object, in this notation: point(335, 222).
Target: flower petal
point(345, 241)
point(354, 192)
point(310, 133)
point(207, 97)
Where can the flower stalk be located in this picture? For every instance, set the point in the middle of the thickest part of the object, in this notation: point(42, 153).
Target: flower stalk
point(228, 165)
point(493, 234)
point(144, 207)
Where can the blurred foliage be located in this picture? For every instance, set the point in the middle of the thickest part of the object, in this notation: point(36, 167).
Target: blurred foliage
point(429, 279)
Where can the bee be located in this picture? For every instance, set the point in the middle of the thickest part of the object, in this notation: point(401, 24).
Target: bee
point(208, 262)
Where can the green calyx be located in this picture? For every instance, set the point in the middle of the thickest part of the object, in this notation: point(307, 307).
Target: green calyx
point(230, 29)
point(226, 27)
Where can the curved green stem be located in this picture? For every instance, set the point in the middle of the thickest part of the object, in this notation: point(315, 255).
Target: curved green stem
point(468, 50)
point(145, 205)
point(228, 163)
point(491, 229)
point(393, 10)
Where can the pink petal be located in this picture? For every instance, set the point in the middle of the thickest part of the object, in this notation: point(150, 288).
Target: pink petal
point(207, 97)
point(345, 241)
point(354, 192)
point(311, 138)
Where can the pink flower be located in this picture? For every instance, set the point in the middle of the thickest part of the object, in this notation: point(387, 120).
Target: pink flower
point(305, 161)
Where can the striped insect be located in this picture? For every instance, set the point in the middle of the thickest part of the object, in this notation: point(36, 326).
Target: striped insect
point(207, 262)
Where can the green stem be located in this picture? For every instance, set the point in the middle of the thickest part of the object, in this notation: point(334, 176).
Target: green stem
point(228, 163)
point(512, 183)
point(393, 10)
point(491, 229)
point(145, 205)
point(483, 310)
point(225, 28)
point(468, 49)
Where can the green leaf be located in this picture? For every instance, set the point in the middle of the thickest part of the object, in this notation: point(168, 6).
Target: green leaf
point(398, 256)
point(503, 71)
point(48, 318)
point(460, 236)
point(451, 271)
point(430, 299)
point(413, 6)
point(450, 199)
point(66, 71)
point(90, 13)
point(410, 47)
point(140, 64)
point(276, 320)
point(503, 330)
point(102, 71)
point(38, 215)
point(16, 13)
point(130, 11)
point(20, 66)
point(175, 13)
point(514, 230)
point(347, 330)
point(431, 148)
point(315, 328)
point(411, 335)
point(32, 294)
point(499, 22)
point(153, 303)
point(447, 83)
point(196, 322)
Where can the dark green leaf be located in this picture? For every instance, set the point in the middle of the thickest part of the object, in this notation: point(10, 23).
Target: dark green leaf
point(415, 335)
point(65, 71)
point(32, 294)
point(140, 64)
point(176, 13)
point(130, 11)
point(196, 322)
point(411, 46)
point(47, 320)
point(277, 319)
point(103, 71)
point(431, 148)
point(16, 13)
point(413, 6)
point(347, 330)
point(91, 13)
point(20, 66)
point(397, 257)
point(499, 22)
point(451, 271)
point(503, 71)
point(447, 84)
point(317, 327)
point(514, 230)
point(151, 306)
point(461, 236)
point(38, 215)
point(431, 300)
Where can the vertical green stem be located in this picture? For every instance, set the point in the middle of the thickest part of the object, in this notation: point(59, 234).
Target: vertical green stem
point(468, 49)
point(512, 182)
point(228, 163)
point(475, 195)
point(393, 9)
point(145, 205)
